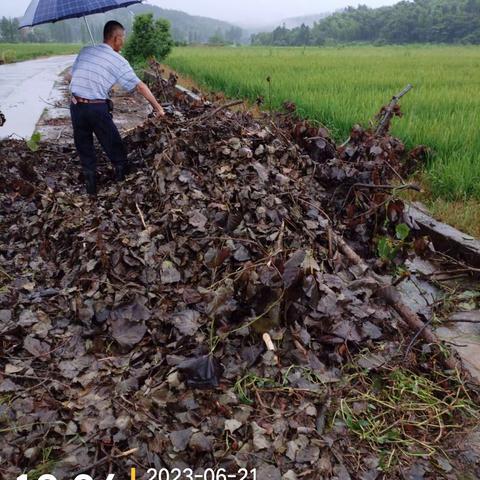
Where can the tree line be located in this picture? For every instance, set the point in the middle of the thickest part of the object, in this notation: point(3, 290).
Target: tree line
point(417, 21)
point(68, 31)
point(185, 28)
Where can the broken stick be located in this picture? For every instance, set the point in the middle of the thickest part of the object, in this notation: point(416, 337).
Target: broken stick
point(389, 111)
point(393, 298)
point(207, 115)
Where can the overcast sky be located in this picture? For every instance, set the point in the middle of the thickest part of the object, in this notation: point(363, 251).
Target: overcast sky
point(240, 11)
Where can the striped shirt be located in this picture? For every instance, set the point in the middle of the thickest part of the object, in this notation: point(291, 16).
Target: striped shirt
point(97, 69)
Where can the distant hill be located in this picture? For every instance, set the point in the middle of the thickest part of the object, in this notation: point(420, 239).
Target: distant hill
point(185, 27)
point(189, 28)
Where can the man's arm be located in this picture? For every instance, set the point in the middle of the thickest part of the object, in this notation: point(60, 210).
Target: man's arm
point(130, 82)
point(148, 95)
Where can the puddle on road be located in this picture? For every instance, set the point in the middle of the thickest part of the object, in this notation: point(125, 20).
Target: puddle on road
point(23, 116)
point(25, 89)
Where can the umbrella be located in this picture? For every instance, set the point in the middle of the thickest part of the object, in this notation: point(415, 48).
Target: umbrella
point(50, 11)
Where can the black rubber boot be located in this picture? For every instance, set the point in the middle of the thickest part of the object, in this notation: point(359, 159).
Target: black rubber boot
point(120, 171)
point(91, 183)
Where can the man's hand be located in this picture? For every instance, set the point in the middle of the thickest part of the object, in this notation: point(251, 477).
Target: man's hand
point(159, 112)
point(145, 92)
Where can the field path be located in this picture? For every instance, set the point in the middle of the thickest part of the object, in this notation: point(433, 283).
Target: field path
point(24, 88)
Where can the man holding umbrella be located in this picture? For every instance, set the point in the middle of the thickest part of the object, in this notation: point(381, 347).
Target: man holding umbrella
point(96, 70)
point(94, 73)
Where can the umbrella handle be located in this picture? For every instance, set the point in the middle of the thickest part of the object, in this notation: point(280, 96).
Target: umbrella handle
point(89, 31)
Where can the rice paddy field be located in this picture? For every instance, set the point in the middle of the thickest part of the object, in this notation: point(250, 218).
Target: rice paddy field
point(341, 86)
point(17, 52)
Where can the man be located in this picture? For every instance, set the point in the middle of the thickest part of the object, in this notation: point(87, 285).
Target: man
point(94, 73)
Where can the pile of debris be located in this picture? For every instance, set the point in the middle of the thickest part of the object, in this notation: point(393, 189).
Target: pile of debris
point(207, 313)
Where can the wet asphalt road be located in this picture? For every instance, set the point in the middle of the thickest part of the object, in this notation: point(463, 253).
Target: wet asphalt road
point(24, 89)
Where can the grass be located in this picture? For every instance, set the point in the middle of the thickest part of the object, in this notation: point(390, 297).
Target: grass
point(250, 383)
point(341, 86)
point(462, 213)
point(18, 52)
point(402, 415)
point(244, 386)
point(46, 465)
point(46, 462)
point(397, 414)
point(465, 214)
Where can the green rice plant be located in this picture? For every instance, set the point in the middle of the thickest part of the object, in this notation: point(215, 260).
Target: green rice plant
point(17, 52)
point(340, 87)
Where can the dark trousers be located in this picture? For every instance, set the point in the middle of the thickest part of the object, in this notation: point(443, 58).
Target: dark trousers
point(95, 118)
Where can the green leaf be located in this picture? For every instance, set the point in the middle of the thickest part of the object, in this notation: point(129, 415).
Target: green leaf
point(386, 250)
point(33, 143)
point(402, 231)
point(389, 437)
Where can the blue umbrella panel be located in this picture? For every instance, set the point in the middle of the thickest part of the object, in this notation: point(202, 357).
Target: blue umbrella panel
point(50, 11)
